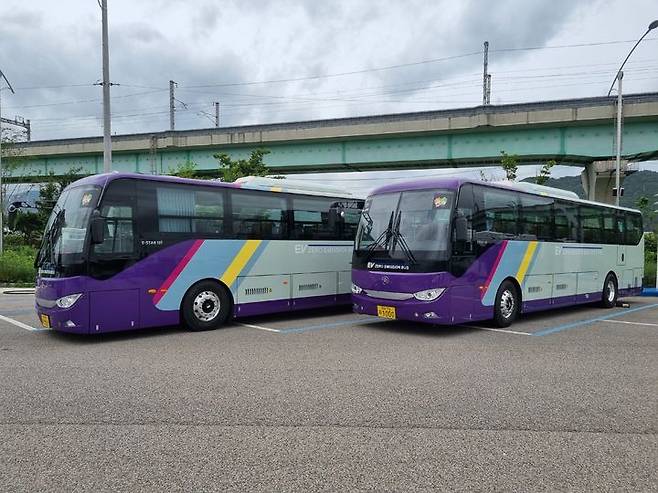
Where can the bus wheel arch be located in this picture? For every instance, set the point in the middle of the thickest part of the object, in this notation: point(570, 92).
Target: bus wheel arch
point(507, 304)
point(610, 291)
point(206, 305)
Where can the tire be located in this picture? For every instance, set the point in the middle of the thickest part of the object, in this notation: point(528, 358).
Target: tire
point(206, 306)
point(610, 292)
point(507, 304)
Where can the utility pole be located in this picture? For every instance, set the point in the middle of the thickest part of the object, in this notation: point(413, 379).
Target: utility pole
point(618, 192)
point(2, 207)
point(107, 120)
point(172, 107)
point(216, 105)
point(486, 78)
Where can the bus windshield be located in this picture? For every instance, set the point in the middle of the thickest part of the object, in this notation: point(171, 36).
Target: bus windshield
point(417, 221)
point(64, 238)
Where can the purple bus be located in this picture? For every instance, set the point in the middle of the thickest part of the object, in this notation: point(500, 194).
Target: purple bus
point(450, 251)
point(127, 251)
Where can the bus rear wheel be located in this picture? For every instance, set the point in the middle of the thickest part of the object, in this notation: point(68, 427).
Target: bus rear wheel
point(610, 292)
point(206, 306)
point(507, 304)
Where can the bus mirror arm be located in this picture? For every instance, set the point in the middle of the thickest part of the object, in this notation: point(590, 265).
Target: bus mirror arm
point(97, 228)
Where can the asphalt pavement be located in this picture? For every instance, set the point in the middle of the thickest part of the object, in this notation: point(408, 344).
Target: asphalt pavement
point(330, 400)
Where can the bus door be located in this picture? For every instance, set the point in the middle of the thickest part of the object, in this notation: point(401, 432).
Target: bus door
point(114, 299)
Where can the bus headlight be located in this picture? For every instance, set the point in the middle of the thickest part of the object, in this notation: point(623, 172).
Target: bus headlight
point(68, 301)
point(356, 289)
point(429, 294)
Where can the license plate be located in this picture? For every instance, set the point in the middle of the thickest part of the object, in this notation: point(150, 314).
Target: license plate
point(45, 321)
point(386, 311)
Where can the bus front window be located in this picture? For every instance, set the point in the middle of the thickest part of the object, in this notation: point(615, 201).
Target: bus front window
point(64, 240)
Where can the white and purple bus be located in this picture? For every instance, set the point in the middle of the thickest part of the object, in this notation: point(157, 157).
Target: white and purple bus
point(450, 251)
point(125, 251)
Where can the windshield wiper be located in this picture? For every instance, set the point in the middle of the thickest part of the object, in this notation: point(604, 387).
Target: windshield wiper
point(382, 239)
point(48, 245)
point(398, 238)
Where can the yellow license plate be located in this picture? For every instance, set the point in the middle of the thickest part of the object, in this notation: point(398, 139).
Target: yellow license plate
point(45, 321)
point(386, 311)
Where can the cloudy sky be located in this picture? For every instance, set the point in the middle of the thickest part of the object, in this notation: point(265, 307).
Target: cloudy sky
point(288, 60)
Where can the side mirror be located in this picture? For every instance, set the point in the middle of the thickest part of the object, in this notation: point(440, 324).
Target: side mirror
point(97, 228)
point(461, 228)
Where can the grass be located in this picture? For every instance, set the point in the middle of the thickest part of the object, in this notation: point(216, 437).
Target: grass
point(17, 266)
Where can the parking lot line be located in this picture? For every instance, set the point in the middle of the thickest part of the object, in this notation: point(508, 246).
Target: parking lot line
point(631, 323)
point(259, 327)
point(308, 328)
point(580, 323)
point(515, 332)
point(21, 324)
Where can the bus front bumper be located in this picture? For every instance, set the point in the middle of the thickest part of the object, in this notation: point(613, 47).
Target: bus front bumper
point(74, 319)
point(431, 312)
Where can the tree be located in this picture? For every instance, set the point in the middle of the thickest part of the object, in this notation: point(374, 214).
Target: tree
point(545, 172)
point(230, 169)
point(645, 206)
point(510, 164)
point(188, 169)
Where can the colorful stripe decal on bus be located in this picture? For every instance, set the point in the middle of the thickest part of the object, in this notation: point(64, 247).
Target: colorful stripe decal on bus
point(177, 270)
point(244, 255)
point(493, 268)
point(513, 260)
point(212, 258)
point(525, 263)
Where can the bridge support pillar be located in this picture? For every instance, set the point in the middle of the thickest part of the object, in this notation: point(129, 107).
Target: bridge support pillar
point(598, 179)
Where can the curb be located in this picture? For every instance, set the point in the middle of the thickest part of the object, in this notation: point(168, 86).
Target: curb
point(17, 290)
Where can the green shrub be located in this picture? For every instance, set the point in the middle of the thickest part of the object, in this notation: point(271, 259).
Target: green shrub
point(649, 270)
point(17, 265)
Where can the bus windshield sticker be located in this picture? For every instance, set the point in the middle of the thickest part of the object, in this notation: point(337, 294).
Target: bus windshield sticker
point(440, 201)
point(86, 199)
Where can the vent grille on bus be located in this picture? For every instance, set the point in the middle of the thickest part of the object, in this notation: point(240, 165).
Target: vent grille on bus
point(253, 291)
point(534, 289)
point(560, 286)
point(309, 287)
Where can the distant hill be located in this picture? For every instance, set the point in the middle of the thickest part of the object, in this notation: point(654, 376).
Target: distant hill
point(635, 185)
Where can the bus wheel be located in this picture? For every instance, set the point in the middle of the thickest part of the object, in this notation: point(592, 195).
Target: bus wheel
point(506, 307)
point(206, 306)
point(609, 298)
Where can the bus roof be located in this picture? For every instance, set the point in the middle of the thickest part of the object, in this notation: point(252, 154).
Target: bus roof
point(455, 182)
point(250, 183)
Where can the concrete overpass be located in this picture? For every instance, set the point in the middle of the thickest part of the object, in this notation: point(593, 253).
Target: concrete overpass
point(574, 131)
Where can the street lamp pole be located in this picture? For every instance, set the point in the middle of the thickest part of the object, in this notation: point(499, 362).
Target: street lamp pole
point(2, 207)
point(618, 79)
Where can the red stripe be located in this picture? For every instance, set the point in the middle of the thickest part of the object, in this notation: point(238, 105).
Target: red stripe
point(493, 269)
point(177, 270)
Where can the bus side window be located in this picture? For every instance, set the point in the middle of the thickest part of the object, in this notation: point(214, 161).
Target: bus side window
point(536, 217)
point(634, 229)
point(258, 215)
point(566, 222)
point(591, 223)
point(501, 211)
point(311, 219)
point(609, 227)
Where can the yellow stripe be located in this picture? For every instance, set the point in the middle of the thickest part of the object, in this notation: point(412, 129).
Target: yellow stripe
point(276, 189)
point(240, 260)
point(525, 263)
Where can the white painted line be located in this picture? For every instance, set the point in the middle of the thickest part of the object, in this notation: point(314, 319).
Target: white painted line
point(20, 324)
point(515, 332)
point(259, 327)
point(631, 323)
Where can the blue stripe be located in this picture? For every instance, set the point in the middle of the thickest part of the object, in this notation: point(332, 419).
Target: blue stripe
point(580, 323)
point(356, 321)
